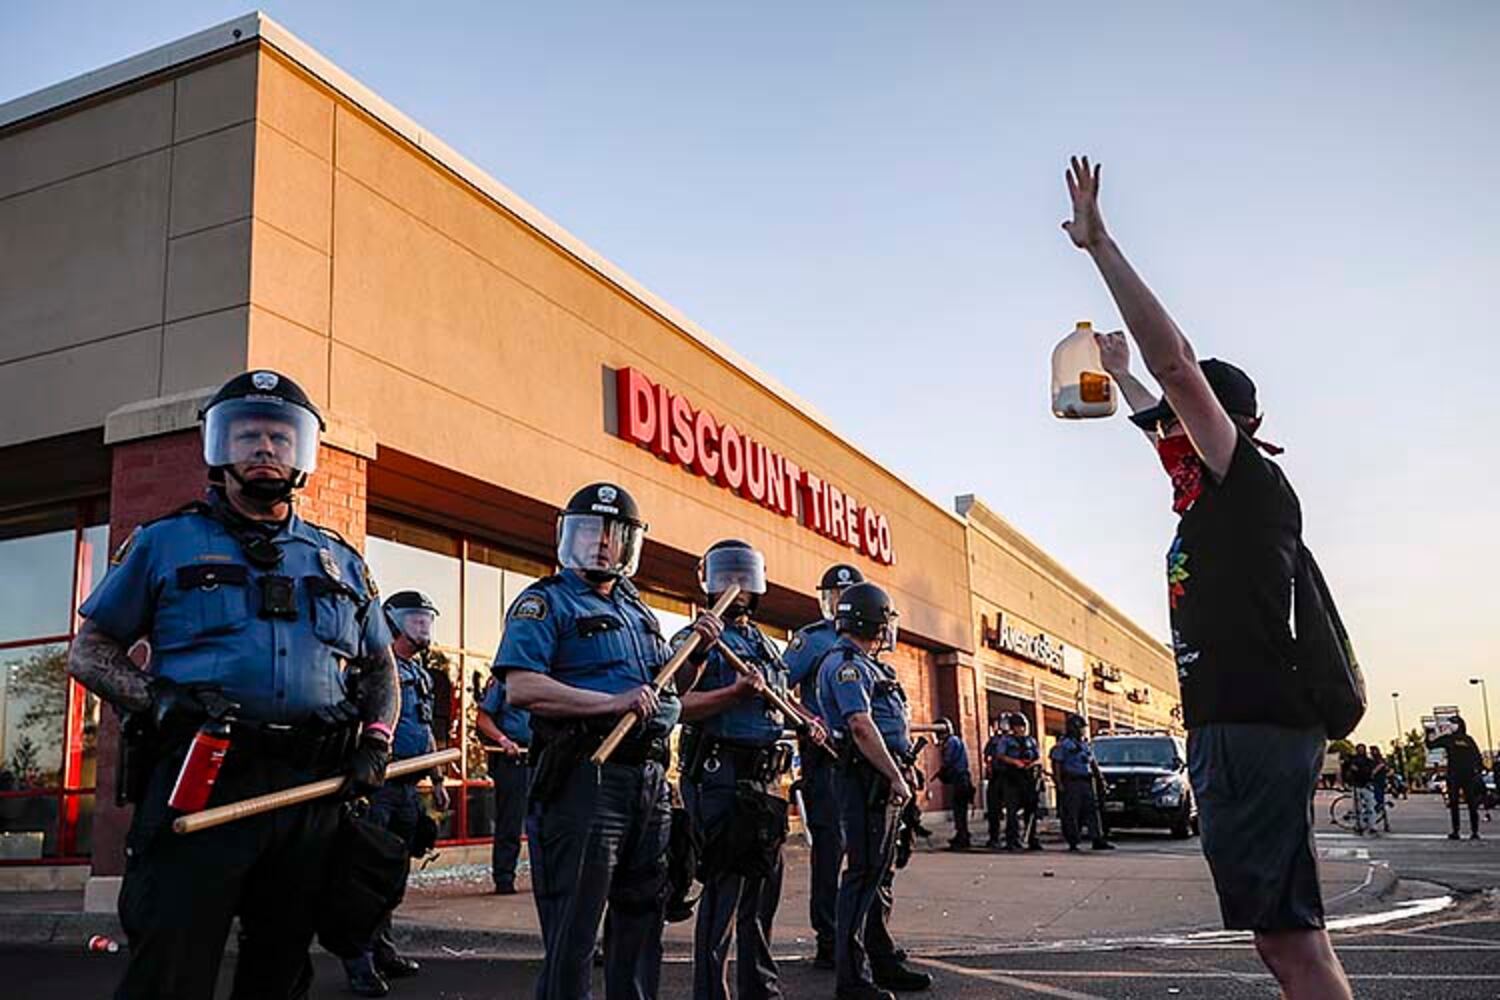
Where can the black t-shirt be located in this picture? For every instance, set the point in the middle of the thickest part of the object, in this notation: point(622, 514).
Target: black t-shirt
point(1229, 582)
point(1464, 757)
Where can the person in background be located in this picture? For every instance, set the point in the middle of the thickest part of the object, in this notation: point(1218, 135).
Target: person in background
point(1465, 770)
point(955, 773)
point(994, 794)
point(1380, 778)
point(506, 733)
point(1357, 772)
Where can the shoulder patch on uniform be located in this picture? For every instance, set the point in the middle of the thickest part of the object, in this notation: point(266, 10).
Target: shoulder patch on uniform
point(848, 672)
point(330, 565)
point(530, 607)
point(123, 549)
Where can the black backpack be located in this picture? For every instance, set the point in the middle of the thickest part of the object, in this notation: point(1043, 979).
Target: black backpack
point(1325, 657)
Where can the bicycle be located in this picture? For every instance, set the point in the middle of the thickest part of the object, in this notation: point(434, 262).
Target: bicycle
point(1342, 813)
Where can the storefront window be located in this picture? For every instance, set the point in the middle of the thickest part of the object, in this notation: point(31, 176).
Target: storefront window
point(34, 685)
point(36, 574)
point(403, 558)
point(48, 723)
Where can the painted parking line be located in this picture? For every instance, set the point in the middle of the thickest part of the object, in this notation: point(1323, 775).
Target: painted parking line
point(1005, 979)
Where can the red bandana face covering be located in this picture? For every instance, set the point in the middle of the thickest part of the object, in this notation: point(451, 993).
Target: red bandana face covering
point(1185, 467)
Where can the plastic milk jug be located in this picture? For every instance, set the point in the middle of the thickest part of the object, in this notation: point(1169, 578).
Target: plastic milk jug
point(1080, 388)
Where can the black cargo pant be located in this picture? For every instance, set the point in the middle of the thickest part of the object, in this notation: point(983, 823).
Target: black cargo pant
point(1079, 810)
point(396, 806)
point(1020, 808)
point(869, 820)
point(509, 775)
point(181, 891)
point(821, 799)
point(731, 904)
point(1471, 787)
point(961, 796)
point(602, 841)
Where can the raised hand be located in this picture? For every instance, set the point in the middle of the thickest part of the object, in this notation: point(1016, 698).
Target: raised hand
point(1114, 352)
point(1086, 229)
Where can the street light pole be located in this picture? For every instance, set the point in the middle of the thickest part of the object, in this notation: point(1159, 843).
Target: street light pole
point(1400, 737)
point(1484, 693)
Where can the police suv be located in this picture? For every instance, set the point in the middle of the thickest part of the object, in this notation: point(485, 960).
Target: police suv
point(1146, 782)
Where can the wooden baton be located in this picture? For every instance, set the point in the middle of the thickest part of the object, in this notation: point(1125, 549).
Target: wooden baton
point(780, 701)
point(941, 728)
point(219, 815)
point(674, 663)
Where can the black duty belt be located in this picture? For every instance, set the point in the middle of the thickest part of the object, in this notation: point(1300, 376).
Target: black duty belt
point(637, 750)
point(520, 758)
point(755, 762)
point(305, 745)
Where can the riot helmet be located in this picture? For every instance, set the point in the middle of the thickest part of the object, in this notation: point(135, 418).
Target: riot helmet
point(600, 533)
point(261, 420)
point(411, 613)
point(733, 561)
point(1076, 726)
point(1017, 720)
point(835, 579)
point(866, 611)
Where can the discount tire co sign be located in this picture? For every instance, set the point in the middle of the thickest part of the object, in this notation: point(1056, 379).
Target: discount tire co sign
point(676, 431)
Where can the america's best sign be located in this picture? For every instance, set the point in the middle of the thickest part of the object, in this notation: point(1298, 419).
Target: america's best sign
point(676, 431)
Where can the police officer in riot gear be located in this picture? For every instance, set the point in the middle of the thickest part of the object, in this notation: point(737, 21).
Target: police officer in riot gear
point(396, 805)
point(580, 651)
point(868, 712)
point(260, 619)
point(802, 657)
point(506, 730)
point(731, 760)
point(1073, 768)
point(954, 772)
point(1017, 764)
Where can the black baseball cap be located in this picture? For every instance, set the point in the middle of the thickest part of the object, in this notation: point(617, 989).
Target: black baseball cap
point(1232, 387)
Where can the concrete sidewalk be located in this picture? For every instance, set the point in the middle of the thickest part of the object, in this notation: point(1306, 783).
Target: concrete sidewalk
point(1151, 886)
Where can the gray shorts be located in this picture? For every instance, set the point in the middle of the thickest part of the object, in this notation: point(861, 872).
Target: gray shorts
point(1254, 783)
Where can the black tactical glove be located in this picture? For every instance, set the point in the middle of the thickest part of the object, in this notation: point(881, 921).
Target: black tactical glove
point(366, 767)
point(179, 709)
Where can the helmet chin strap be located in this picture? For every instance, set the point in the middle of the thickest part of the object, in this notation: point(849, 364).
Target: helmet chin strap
point(267, 490)
point(599, 575)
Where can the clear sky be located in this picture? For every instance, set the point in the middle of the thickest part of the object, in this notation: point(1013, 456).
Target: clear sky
point(864, 198)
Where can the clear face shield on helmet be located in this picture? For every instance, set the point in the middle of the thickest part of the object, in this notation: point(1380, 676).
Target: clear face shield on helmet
point(261, 430)
point(888, 632)
point(828, 601)
point(721, 567)
point(416, 624)
point(592, 543)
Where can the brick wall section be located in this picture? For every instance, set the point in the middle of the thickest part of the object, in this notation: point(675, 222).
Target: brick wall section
point(154, 476)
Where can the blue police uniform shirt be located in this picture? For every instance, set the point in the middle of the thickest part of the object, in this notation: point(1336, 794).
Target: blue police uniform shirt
point(850, 682)
point(1074, 757)
point(802, 655)
point(1019, 747)
point(512, 721)
point(413, 733)
point(564, 628)
point(955, 756)
point(184, 584)
point(751, 720)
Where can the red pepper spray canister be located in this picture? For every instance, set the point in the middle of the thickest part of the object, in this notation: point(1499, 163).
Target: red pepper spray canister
point(200, 768)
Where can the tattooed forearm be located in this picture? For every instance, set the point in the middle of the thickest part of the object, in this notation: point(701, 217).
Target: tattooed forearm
point(100, 664)
point(379, 689)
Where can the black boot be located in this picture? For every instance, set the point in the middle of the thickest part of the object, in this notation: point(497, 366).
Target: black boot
point(364, 981)
point(824, 958)
point(394, 966)
point(864, 991)
point(898, 977)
